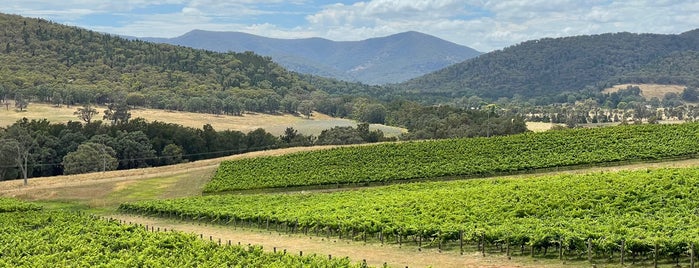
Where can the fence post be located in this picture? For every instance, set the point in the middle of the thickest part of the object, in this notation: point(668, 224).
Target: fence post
point(655, 256)
point(560, 249)
point(507, 241)
point(483, 247)
point(691, 255)
point(589, 250)
point(419, 242)
point(623, 243)
point(461, 242)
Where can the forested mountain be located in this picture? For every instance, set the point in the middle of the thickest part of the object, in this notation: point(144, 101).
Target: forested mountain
point(56, 63)
point(548, 68)
point(390, 59)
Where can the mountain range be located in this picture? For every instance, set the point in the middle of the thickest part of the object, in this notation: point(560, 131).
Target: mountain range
point(551, 69)
point(382, 60)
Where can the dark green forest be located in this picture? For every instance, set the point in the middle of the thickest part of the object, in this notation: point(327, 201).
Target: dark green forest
point(550, 70)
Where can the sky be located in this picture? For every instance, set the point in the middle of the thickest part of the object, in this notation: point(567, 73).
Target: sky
point(481, 24)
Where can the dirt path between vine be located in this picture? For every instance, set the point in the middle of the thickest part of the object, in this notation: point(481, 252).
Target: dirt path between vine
point(375, 254)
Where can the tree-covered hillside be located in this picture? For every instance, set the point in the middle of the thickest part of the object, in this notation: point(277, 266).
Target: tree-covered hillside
point(48, 61)
point(547, 67)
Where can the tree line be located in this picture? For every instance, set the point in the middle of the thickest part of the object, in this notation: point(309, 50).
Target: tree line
point(37, 148)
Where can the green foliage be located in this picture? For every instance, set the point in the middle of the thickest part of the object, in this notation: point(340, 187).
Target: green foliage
point(458, 157)
point(61, 239)
point(641, 207)
point(21, 102)
point(292, 138)
point(14, 205)
point(172, 154)
point(90, 157)
point(306, 108)
point(350, 135)
point(117, 112)
point(677, 68)
point(690, 94)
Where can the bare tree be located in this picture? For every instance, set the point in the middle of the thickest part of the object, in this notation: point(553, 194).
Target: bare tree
point(14, 149)
point(86, 113)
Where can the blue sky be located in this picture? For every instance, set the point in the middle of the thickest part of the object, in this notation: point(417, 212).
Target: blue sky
point(481, 24)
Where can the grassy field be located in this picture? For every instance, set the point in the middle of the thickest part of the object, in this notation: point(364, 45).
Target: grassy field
point(275, 124)
point(649, 91)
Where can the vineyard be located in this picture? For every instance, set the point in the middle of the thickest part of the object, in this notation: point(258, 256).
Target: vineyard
point(640, 213)
point(62, 239)
point(13, 205)
point(459, 157)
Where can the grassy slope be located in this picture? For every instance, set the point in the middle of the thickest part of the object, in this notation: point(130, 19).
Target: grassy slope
point(275, 124)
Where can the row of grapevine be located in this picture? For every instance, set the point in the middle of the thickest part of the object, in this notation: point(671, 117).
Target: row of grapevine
point(459, 157)
point(12, 205)
point(61, 239)
point(578, 214)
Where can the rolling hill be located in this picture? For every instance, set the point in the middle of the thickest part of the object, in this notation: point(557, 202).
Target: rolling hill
point(389, 59)
point(548, 67)
point(49, 62)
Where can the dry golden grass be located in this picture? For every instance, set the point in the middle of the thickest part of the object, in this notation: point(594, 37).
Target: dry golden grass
point(275, 124)
point(648, 91)
point(539, 126)
point(15, 187)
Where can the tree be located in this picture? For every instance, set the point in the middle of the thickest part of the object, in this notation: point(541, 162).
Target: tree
point(290, 104)
point(306, 108)
point(293, 138)
point(18, 145)
point(117, 112)
point(690, 94)
point(86, 113)
point(90, 157)
point(172, 154)
point(57, 99)
point(289, 135)
point(21, 102)
point(373, 113)
point(134, 150)
point(232, 106)
point(339, 136)
point(490, 108)
point(260, 139)
point(135, 99)
point(8, 167)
